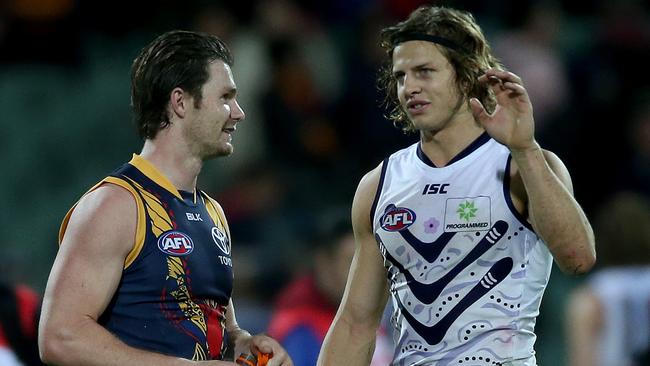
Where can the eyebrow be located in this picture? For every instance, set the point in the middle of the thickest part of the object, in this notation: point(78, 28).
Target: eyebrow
point(416, 67)
point(423, 66)
point(230, 92)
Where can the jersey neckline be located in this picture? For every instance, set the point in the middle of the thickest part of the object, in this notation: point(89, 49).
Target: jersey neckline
point(151, 172)
point(478, 142)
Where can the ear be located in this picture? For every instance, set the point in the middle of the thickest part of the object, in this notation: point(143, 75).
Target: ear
point(179, 102)
point(464, 87)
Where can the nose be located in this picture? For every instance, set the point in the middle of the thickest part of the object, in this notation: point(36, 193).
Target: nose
point(236, 112)
point(411, 86)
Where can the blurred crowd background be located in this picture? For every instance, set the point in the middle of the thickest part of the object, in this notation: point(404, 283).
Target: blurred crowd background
point(306, 77)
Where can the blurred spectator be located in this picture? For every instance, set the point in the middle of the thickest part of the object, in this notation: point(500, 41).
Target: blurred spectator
point(529, 49)
point(256, 204)
point(608, 320)
point(305, 80)
point(606, 81)
point(250, 47)
point(306, 307)
point(19, 312)
point(361, 110)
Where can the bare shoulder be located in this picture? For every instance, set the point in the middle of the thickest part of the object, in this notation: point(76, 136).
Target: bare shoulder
point(364, 197)
point(106, 214)
point(88, 266)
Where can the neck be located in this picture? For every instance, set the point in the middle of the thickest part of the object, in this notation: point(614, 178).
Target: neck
point(443, 145)
point(180, 167)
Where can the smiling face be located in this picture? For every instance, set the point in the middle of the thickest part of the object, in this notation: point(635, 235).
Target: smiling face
point(426, 86)
point(211, 125)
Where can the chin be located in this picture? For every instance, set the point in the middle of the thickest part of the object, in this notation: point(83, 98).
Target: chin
point(224, 152)
point(219, 152)
point(429, 124)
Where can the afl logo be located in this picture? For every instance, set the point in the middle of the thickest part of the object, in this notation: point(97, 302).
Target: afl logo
point(397, 218)
point(221, 239)
point(175, 243)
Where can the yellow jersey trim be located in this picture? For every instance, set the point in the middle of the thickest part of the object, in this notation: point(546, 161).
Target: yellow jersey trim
point(216, 213)
point(140, 225)
point(155, 175)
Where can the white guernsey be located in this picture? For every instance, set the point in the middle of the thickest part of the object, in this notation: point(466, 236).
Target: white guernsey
point(466, 270)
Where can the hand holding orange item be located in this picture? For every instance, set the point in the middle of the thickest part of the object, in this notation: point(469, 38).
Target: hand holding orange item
point(251, 360)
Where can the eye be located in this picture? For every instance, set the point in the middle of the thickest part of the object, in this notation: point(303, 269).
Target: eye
point(425, 72)
point(229, 95)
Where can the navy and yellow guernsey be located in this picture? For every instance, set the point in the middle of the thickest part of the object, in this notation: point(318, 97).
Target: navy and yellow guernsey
point(177, 279)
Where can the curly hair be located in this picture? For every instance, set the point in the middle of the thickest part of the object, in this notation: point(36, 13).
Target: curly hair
point(175, 59)
point(470, 58)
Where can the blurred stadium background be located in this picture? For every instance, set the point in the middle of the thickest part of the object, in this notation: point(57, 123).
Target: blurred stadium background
point(305, 72)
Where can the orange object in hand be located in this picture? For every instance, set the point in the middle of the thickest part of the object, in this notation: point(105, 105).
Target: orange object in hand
point(251, 360)
point(262, 358)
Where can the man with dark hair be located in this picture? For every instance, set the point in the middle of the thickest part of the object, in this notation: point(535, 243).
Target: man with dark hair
point(144, 275)
point(466, 222)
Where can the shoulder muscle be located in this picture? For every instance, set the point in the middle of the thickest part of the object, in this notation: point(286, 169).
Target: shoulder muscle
point(363, 200)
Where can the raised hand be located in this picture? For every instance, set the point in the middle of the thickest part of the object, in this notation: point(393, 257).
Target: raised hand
point(512, 122)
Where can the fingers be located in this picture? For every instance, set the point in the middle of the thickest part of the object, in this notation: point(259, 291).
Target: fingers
point(479, 112)
point(516, 88)
point(268, 345)
point(503, 81)
point(260, 343)
point(502, 76)
point(281, 358)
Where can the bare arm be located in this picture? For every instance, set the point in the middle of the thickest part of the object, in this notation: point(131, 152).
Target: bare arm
point(547, 190)
point(351, 338)
point(584, 323)
point(84, 277)
point(554, 213)
point(244, 342)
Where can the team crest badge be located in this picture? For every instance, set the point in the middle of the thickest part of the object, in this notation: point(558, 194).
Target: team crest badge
point(397, 218)
point(175, 243)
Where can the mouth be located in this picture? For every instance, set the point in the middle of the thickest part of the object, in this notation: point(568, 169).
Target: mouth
point(416, 106)
point(229, 130)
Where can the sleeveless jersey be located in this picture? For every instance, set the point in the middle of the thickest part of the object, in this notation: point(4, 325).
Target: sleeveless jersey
point(466, 270)
point(177, 279)
point(624, 293)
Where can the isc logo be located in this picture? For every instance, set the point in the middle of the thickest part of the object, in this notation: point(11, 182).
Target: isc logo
point(175, 243)
point(435, 188)
point(397, 218)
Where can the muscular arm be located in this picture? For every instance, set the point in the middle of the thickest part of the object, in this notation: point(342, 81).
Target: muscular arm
point(84, 277)
point(350, 340)
point(552, 210)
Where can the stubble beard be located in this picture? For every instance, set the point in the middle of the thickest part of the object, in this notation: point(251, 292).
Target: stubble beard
point(207, 149)
point(217, 151)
